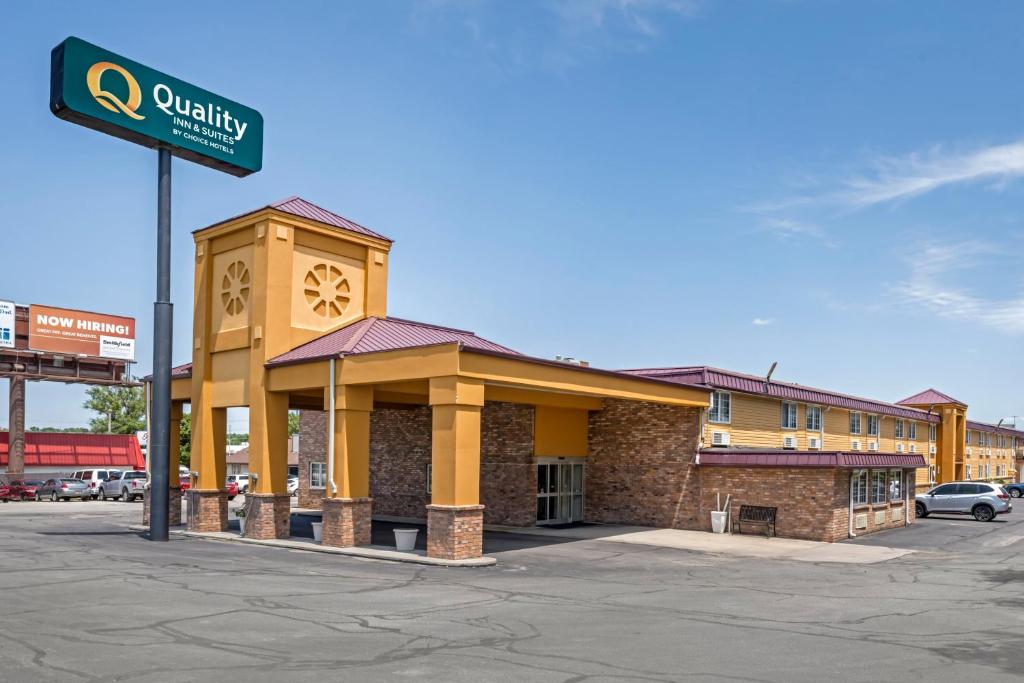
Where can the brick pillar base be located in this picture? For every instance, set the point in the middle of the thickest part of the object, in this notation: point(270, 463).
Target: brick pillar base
point(174, 508)
point(347, 521)
point(268, 515)
point(455, 532)
point(211, 510)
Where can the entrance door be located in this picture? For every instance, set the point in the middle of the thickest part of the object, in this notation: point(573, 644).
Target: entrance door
point(559, 492)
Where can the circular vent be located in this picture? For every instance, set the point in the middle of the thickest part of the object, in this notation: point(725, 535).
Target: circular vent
point(234, 288)
point(327, 291)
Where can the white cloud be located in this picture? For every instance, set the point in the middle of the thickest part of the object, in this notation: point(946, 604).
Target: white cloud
point(788, 229)
point(762, 322)
point(930, 283)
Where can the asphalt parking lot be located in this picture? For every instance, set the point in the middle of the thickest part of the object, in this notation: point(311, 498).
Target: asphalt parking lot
point(84, 598)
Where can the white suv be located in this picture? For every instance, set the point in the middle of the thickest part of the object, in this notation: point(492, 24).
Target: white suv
point(92, 479)
point(242, 480)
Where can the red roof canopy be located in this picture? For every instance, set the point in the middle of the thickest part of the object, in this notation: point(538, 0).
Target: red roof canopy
point(737, 457)
point(68, 450)
point(929, 397)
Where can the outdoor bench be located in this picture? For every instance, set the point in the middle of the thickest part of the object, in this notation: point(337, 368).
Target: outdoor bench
point(757, 514)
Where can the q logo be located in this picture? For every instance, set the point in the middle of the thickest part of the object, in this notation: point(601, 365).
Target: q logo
point(108, 99)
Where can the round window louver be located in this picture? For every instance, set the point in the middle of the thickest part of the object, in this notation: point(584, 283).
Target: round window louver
point(234, 288)
point(327, 291)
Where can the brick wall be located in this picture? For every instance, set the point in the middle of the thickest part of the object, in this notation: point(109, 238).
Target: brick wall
point(508, 474)
point(640, 469)
point(312, 448)
point(399, 455)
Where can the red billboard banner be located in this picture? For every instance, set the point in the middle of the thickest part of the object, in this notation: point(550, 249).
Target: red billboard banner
point(64, 330)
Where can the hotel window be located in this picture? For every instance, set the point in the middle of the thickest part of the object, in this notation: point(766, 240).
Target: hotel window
point(967, 472)
point(721, 407)
point(931, 474)
point(859, 487)
point(317, 475)
point(788, 415)
point(912, 430)
point(933, 432)
point(968, 437)
point(895, 485)
point(878, 486)
point(899, 428)
point(813, 418)
point(872, 425)
point(855, 423)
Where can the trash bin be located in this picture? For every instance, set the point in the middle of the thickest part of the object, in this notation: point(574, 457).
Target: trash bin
point(318, 531)
point(405, 539)
point(718, 522)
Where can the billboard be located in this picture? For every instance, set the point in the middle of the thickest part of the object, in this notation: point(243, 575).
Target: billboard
point(104, 91)
point(64, 330)
point(7, 324)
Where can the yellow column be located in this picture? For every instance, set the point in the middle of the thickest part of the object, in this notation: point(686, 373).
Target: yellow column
point(174, 454)
point(455, 442)
point(268, 442)
point(352, 406)
point(209, 446)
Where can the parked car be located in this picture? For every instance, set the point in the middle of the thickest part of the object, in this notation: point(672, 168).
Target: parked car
point(124, 485)
point(978, 498)
point(92, 479)
point(232, 489)
point(242, 480)
point(5, 491)
point(293, 486)
point(63, 489)
point(23, 489)
point(1016, 490)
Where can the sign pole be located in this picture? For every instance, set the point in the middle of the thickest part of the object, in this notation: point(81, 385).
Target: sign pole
point(160, 445)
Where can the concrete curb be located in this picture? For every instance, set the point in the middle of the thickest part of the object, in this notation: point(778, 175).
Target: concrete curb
point(364, 552)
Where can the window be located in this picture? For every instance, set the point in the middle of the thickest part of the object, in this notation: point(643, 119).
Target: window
point(855, 423)
point(721, 407)
point(899, 428)
point(878, 486)
point(912, 433)
point(872, 425)
point(945, 490)
point(814, 418)
point(859, 487)
point(933, 433)
point(430, 478)
point(931, 474)
point(895, 485)
point(968, 437)
point(788, 415)
point(967, 472)
point(317, 475)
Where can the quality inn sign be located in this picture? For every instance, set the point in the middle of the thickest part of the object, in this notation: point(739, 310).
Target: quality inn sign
point(102, 90)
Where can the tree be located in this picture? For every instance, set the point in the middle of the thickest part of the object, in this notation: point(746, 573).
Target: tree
point(293, 423)
point(122, 409)
point(185, 437)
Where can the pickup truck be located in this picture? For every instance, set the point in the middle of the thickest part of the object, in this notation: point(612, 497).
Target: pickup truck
point(124, 485)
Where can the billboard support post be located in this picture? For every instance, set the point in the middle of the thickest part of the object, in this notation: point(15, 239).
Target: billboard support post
point(160, 445)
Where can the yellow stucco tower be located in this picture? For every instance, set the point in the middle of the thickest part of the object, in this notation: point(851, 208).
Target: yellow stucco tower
point(951, 432)
point(266, 282)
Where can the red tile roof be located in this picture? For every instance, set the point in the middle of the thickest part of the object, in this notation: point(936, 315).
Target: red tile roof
point(986, 427)
point(737, 457)
point(297, 206)
point(374, 334)
point(929, 397)
point(704, 376)
point(69, 450)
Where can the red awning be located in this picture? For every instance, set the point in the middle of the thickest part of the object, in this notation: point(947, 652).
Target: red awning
point(732, 457)
point(68, 450)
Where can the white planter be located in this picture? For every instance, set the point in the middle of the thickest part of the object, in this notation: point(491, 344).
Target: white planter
point(241, 525)
point(405, 539)
point(718, 522)
point(318, 531)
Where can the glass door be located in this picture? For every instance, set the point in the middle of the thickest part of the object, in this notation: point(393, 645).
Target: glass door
point(559, 492)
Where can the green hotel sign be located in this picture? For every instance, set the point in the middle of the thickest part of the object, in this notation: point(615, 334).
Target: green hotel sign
point(98, 89)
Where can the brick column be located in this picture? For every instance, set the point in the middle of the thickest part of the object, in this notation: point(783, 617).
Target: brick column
point(455, 532)
point(347, 521)
point(174, 508)
point(455, 516)
point(16, 424)
point(268, 515)
point(211, 510)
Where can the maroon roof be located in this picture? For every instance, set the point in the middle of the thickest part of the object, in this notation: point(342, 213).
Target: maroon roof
point(74, 450)
point(985, 427)
point(929, 397)
point(738, 457)
point(373, 334)
point(297, 206)
point(704, 376)
point(241, 457)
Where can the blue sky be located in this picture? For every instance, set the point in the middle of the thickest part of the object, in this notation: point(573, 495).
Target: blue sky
point(835, 186)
